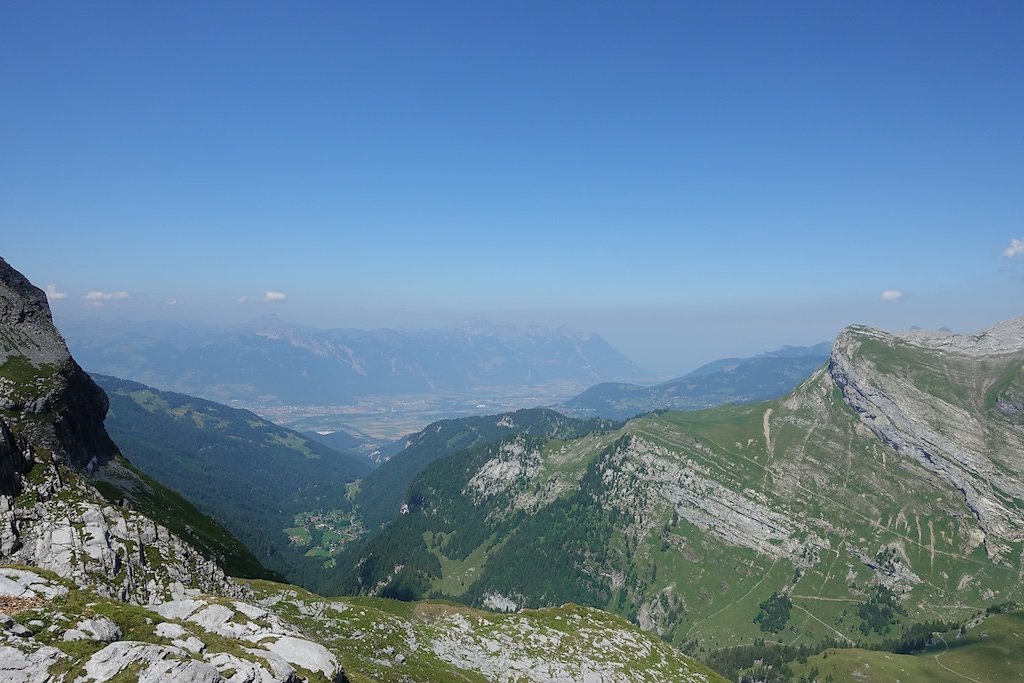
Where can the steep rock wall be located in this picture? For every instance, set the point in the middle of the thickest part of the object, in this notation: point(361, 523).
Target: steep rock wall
point(933, 411)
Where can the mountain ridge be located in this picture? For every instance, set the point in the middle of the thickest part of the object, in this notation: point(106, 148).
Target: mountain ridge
point(727, 380)
point(269, 360)
point(958, 460)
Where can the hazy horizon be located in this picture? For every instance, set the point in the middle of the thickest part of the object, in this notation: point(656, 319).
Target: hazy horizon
point(679, 353)
point(688, 181)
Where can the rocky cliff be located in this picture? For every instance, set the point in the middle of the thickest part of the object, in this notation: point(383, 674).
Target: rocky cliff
point(51, 438)
point(44, 394)
point(931, 397)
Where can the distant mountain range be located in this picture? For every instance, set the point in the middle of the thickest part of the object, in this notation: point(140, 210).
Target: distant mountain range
point(729, 380)
point(270, 361)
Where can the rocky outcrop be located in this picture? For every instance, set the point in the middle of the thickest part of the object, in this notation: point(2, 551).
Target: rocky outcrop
point(925, 394)
point(278, 644)
point(27, 330)
point(43, 391)
point(27, 662)
point(59, 522)
point(1003, 338)
point(189, 640)
point(120, 553)
point(520, 651)
point(51, 440)
point(644, 480)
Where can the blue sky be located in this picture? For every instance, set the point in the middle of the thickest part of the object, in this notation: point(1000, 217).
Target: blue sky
point(690, 180)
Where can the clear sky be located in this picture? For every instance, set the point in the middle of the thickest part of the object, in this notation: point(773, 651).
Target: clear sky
point(688, 179)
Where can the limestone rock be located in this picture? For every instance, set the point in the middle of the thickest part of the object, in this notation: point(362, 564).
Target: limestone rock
point(246, 671)
point(26, 313)
point(186, 658)
point(119, 552)
point(277, 641)
point(936, 428)
point(99, 628)
point(171, 631)
point(304, 653)
point(155, 662)
point(24, 661)
point(21, 583)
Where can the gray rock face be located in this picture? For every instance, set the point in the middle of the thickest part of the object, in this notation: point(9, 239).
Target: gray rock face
point(53, 426)
point(1003, 338)
point(272, 648)
point(9, 541)
point(304, 653)
point(741, 519)
point(156, 662)
point(274, 640)
point(120, 553)
point(22, 662)
point(921, 414)
point(73, 408)
point(21, 583)
point(98, 628)
point(43, 379)
point(28, 329)
point(246, 671)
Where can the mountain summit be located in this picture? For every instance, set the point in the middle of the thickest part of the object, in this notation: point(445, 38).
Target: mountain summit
point(953, 404)
point(40, 378)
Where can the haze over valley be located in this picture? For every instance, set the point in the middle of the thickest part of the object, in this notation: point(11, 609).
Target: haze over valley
point(512, 342)
point(385, 384)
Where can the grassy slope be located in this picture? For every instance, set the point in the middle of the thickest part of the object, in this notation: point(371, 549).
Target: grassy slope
point(359, 632)
point(821, 465)
point(988, 652)
point(387, 623)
